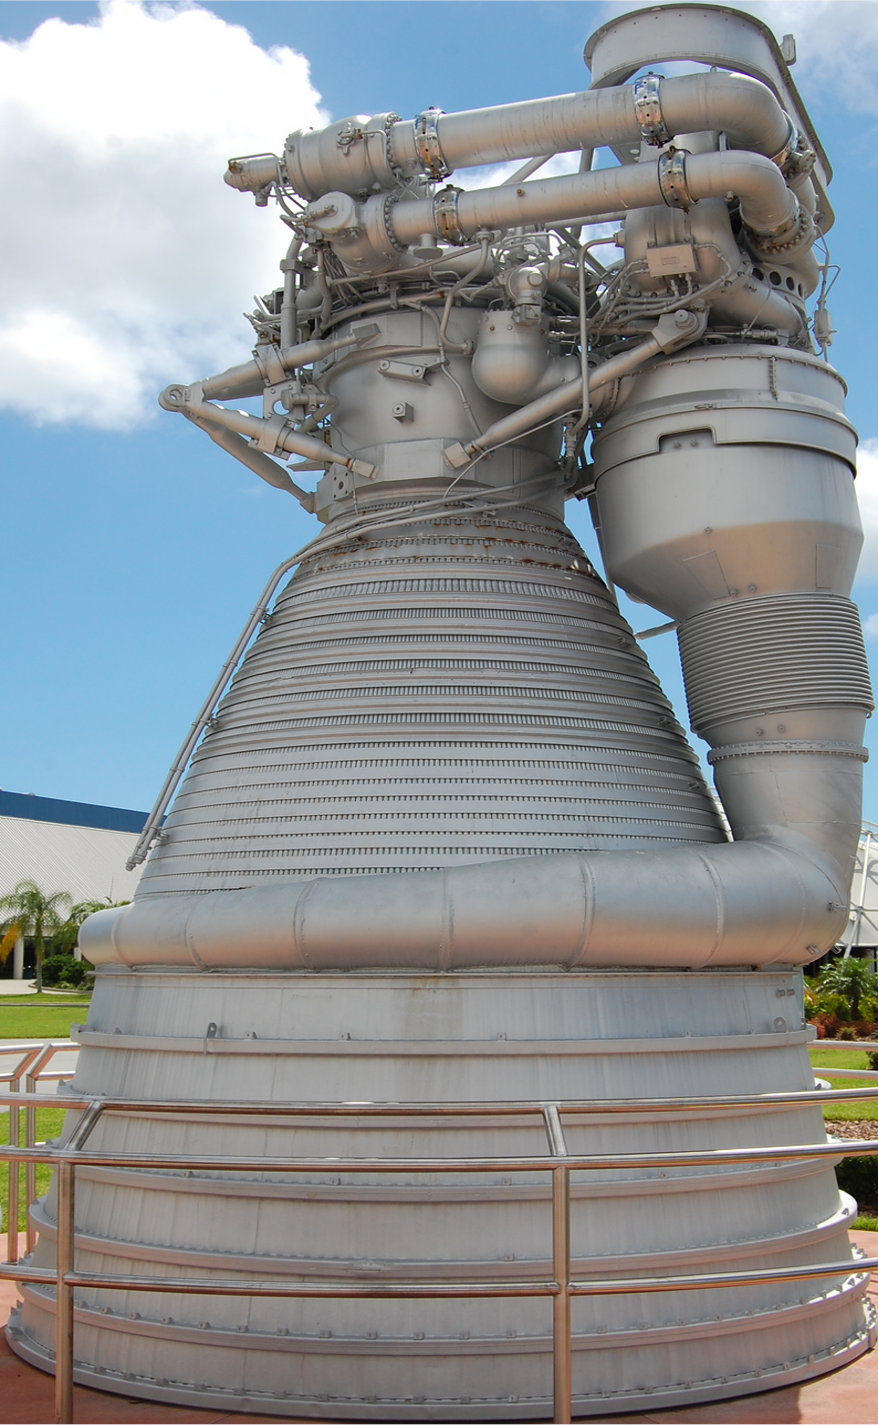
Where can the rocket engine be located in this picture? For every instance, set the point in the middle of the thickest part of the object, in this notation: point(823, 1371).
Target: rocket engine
point(442, 840)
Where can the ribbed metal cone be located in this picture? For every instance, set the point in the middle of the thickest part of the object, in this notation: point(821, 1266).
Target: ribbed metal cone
point(455, 690)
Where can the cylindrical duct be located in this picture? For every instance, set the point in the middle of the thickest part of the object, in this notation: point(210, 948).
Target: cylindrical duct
point(772, 656)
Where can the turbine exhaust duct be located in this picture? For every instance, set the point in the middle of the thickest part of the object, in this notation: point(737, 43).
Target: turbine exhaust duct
point(442, 839)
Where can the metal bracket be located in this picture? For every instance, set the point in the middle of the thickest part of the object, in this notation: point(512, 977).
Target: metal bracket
point(445, 216)
point(427, 144)
point(672, 179)
point(407, 370)
point(648, 110)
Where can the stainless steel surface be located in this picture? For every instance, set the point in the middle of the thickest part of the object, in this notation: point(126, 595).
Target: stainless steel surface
point(67, 1279)
point(64, 1253)
point(442, 839)
point(574, 1038)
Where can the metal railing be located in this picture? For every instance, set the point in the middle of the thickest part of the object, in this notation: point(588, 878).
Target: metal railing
point(31, 1064)
point(558, 1161)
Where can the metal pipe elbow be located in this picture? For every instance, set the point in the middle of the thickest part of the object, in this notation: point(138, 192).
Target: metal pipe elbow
point(741, 108)
point(744, 903)
point(767, 205)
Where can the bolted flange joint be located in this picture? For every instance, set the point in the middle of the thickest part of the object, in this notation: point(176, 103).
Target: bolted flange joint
point(785, 243)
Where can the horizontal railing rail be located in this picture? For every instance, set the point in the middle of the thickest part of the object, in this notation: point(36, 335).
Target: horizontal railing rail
point(558, 1161)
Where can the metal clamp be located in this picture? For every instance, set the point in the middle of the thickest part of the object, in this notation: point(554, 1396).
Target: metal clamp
point(672, 179)
point(783, 155)
point(427, 144)
point(445, 215)
point(648, 110)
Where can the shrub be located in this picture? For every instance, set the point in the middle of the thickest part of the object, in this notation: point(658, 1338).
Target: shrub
point(859, 1177)
point(869, 1008)
point(831, 1003)
point(846, 1032)
point(850, 978)
point(65, 970)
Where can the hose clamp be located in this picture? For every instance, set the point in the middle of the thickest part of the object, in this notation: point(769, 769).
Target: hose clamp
point(427, 144)
point(782, 157)
point(445, 215)
point(672, 179)
point(648, 110)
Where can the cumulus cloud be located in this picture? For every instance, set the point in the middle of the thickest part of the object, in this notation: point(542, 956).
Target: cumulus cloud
point(837, 43)
point(127, 260)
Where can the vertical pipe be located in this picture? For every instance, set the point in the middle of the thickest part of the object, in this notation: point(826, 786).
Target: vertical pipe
point(14, 1170)
point(30, 1169)
point(64, 1296)
point(561, 1344)
point(30, 1135)
point(289, 321)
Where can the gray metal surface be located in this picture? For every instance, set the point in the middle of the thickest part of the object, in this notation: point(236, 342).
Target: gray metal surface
point(455, 691)
point(431, 1040)
point(444, 772)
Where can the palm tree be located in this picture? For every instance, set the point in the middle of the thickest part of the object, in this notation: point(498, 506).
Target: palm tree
point(31, 913)
point(851, 978)
point(64, 940)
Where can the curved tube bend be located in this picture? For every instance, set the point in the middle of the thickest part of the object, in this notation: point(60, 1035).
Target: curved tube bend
point(744, 903)
point(742, 108)
point(767, 204)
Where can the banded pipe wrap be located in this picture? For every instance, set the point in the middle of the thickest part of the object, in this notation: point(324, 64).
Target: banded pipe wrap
point(784, 652)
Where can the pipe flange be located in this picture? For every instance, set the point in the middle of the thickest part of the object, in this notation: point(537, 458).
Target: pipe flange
point(672, 179)
point(786, 242)
point(387, 209)
point(648, 110)
point(393, 167)
point(427, 144)
point(755, 749)
point(445, 215)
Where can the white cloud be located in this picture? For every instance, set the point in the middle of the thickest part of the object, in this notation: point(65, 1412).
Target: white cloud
point(127, 260)
point(837, 44)
point(870, 626)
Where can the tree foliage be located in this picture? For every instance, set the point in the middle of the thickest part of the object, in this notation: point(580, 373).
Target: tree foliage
point(34, 914)
point(850, 978)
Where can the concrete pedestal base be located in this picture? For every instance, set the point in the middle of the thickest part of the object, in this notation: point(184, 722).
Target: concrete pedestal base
point(438, 1039)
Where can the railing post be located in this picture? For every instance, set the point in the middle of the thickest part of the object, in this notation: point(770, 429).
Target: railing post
point(561, 1343)
point(30, 1138)
point(14, 1170)
point(562, 1347)
point(64, 1295)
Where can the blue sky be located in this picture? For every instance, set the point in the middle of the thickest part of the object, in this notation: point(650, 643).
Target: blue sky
point(134, 548)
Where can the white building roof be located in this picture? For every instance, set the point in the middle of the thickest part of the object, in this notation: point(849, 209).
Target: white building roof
point(64, 847)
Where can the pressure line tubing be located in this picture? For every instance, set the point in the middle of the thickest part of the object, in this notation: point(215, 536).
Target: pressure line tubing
point(743, 109)
point(767, 204)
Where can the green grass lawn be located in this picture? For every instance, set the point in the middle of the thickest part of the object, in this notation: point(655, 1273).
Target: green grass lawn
point(844, 1059)
point(49, 1121)
point(40, 1016)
